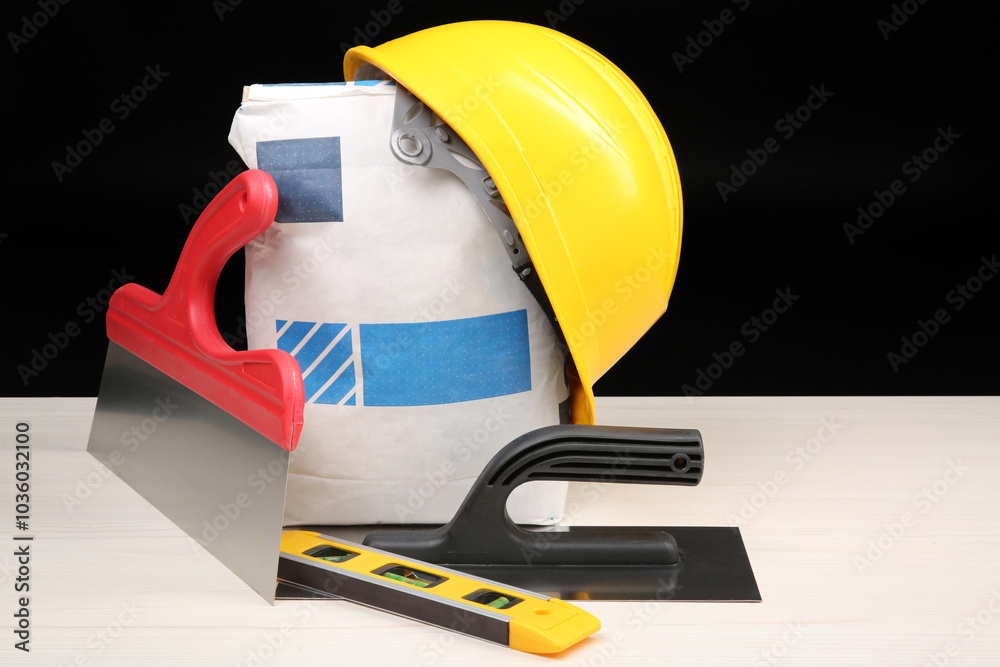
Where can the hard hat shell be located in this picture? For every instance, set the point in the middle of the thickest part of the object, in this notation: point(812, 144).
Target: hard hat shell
point(581, 161)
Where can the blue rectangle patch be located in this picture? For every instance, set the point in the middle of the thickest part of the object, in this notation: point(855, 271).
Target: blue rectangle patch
point(428, 363)
point(308, 175)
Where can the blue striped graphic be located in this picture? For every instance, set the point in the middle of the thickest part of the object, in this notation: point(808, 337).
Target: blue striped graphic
point(308, 175)
point(327, 368)
point(341, 387)
point(294, 335)
point(325, 377)
point(317, 343)
point(414, 363)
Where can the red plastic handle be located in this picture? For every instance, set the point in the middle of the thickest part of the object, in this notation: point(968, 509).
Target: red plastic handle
point(177, 333)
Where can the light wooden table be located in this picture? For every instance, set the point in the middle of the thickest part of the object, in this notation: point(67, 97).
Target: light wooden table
point(873, 526)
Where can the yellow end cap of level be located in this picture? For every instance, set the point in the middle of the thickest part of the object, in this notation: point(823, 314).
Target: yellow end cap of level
point(531, 636)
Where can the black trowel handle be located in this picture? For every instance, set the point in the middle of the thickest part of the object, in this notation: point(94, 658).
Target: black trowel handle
point(482, 532)
point(578, 453)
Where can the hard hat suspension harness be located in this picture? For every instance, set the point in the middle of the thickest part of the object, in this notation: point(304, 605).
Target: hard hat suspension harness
point(417, 141)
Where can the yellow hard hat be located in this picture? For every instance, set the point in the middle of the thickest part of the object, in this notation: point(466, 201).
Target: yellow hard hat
point(580, 161)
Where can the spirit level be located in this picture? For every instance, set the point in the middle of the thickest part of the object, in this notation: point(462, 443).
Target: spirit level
point(477, 607)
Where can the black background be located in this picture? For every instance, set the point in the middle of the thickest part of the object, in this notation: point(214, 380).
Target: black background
point(122, 206)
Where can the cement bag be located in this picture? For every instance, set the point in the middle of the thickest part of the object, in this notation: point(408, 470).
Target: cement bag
point(422, 354)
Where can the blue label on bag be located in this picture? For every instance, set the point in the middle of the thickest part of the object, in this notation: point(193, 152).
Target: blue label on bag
point(412, 363)
point(308, 175)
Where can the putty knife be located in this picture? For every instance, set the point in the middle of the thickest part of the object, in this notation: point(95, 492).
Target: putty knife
point(201, 431)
